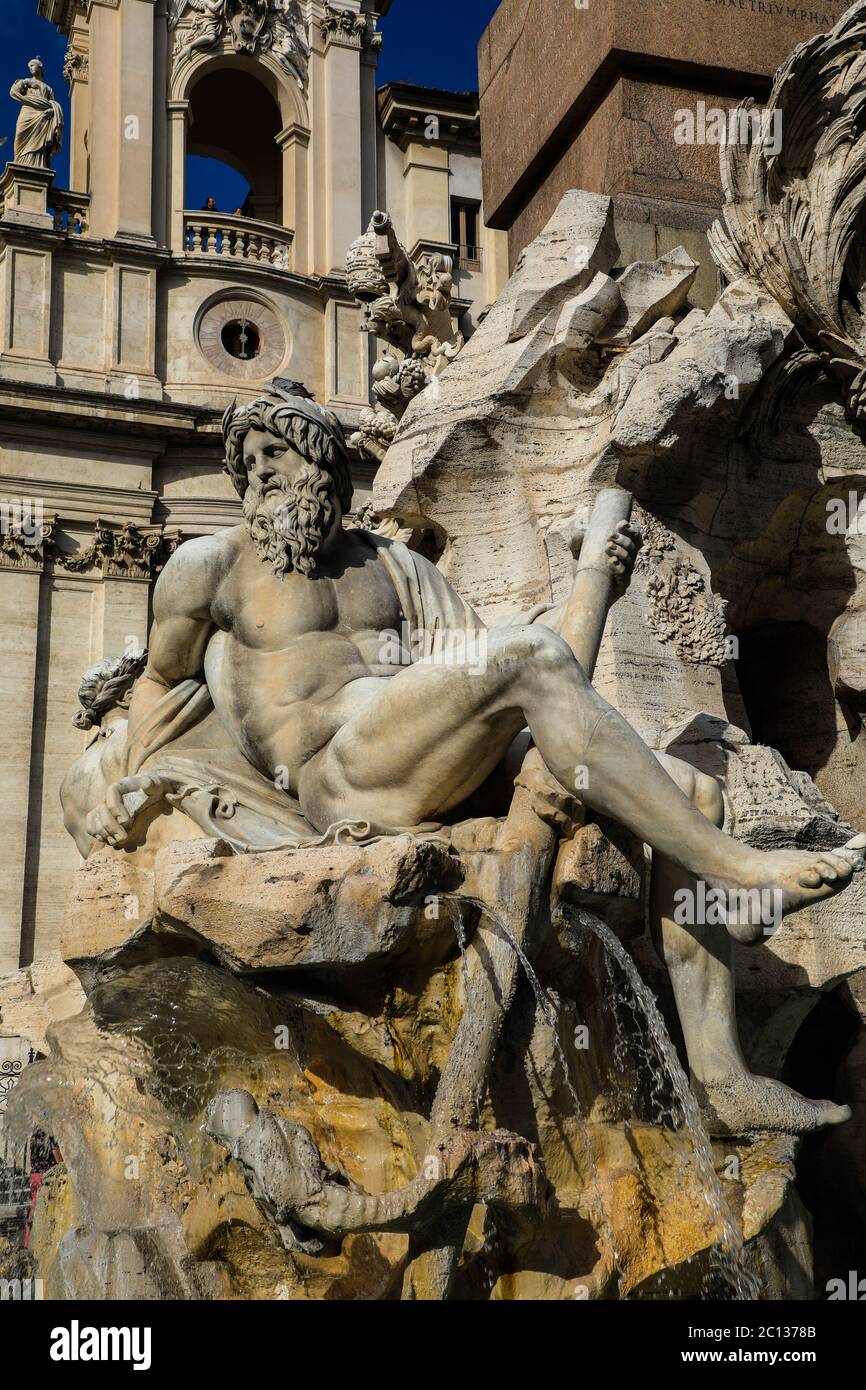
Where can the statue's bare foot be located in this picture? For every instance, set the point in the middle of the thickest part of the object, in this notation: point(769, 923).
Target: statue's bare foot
point(774, 884)
point(740, 1103)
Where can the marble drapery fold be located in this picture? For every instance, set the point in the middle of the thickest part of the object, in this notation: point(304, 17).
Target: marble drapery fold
point(39, 131)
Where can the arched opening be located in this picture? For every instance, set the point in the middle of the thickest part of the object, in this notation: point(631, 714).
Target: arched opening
point(234, 119)
point(213, 178)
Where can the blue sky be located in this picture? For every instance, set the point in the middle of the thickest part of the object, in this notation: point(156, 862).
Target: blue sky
point(433, 45)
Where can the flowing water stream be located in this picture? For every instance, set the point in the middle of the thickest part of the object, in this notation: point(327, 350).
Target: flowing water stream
point(666, 1078)
point(728, 1256)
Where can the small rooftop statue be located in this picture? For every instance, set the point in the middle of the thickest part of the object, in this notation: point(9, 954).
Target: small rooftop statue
point(39, 131)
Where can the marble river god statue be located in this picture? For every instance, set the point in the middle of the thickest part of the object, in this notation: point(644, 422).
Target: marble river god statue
point(380, 852)
point(281, 626)
point(280, 707)
point(318, 703)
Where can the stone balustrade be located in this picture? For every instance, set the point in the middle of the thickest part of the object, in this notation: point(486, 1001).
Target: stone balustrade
point(237, 238)
point(70, 211)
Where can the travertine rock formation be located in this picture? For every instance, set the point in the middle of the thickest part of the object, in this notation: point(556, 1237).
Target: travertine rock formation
point(737, 431)
point(190, 1192)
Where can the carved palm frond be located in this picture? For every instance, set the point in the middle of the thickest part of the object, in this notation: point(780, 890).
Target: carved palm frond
point(793, 215)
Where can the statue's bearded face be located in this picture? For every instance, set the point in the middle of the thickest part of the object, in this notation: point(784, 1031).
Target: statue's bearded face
point(290, 505)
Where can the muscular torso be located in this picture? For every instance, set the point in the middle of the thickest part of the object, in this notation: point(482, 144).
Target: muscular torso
point(292, 659)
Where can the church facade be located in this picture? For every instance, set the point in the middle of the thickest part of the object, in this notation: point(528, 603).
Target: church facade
point(130, 320)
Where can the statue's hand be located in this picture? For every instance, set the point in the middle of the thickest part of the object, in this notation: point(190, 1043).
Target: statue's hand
point(621, 550)
point(112, 822)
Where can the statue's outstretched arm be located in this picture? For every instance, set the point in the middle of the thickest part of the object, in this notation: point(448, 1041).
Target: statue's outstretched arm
point(182, 624)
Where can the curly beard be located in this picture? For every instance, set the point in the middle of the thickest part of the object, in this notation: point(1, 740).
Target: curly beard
point(290, 523)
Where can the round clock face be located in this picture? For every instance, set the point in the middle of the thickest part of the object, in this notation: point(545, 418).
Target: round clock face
point(242, 337)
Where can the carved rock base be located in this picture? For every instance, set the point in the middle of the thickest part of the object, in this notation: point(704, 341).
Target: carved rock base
point(345, 1063)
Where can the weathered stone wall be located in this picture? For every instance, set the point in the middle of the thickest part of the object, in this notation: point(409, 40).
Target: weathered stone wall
point(605, 123)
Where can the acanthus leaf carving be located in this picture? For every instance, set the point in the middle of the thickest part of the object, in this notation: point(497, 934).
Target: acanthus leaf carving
point(76, 66)
point(349, 26)
point(23, 547)
point(123, 551)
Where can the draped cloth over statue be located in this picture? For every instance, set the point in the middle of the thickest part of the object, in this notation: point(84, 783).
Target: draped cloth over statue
point(39, 131)
point(189, 760)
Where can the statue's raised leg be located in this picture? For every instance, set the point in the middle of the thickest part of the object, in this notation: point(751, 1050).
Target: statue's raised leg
point(433, 732)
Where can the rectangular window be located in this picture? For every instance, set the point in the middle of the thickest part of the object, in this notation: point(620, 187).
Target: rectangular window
point(465, 232)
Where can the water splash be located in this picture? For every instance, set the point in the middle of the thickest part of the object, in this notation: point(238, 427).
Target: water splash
point(600, 1216)
point(728, 1259)
point(660, 1065)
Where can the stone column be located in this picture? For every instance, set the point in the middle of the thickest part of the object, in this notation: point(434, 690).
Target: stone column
point(370, 49)
point(121, 129)
point(178, 112)
point(20, 579)
point(426, 178)
point(161, 151)
point(294, 142)
point(92, 606)
point(342, 31)
point(105, 132)
point(136, 78)
point(76, 70)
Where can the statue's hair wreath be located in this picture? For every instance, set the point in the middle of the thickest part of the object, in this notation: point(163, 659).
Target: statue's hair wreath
point(314, 432)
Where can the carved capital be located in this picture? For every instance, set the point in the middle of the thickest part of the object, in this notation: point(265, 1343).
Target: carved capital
point(347, 29)
point(76, 66)
point(122, 552)
point(25, 547)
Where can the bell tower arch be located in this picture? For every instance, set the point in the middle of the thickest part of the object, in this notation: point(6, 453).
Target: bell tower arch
point(253, 114)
